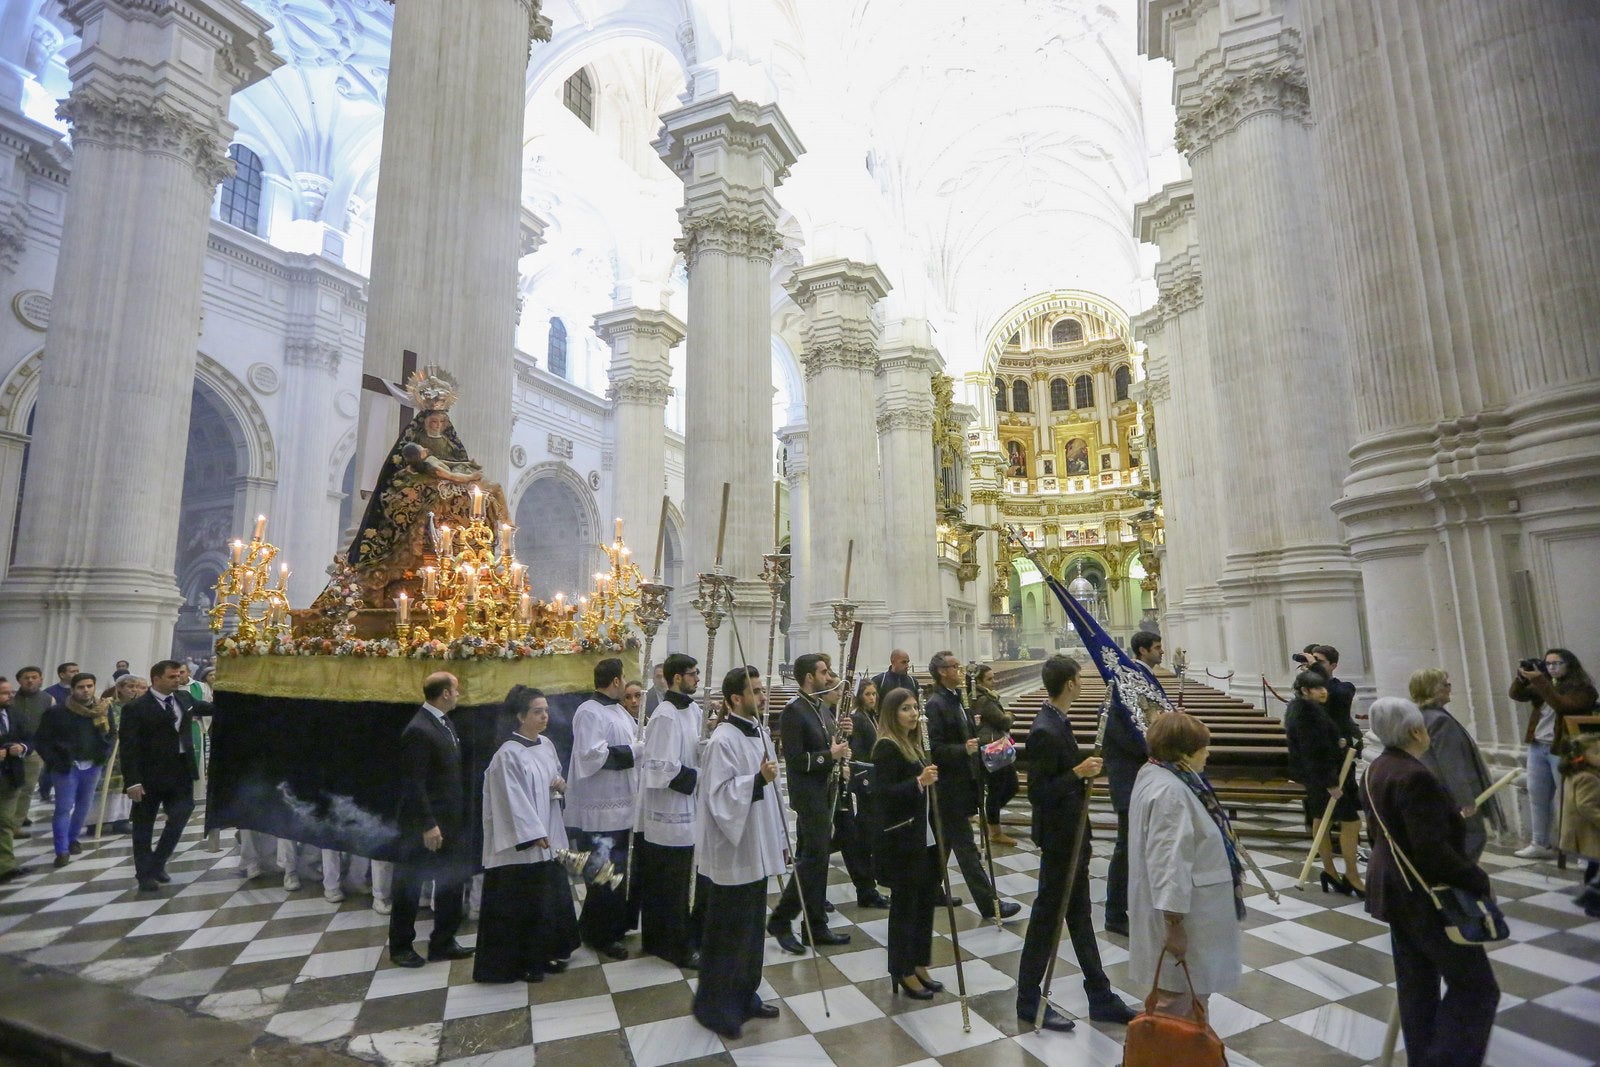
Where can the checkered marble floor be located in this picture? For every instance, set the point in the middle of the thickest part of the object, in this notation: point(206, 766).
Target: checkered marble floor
point(1316, 993)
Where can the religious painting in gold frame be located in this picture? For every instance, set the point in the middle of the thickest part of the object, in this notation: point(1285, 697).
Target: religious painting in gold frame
point(1077, 448)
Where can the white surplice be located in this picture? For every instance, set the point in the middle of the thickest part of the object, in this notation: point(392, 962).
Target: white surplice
point(740, 835)
point(671, 745)
point(520, 803)
point(598, 799)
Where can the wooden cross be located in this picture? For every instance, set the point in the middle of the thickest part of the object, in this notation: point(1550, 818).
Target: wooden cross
point(373, 384)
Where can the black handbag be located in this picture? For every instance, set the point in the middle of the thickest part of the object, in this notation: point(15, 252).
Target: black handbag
point(1469, 919)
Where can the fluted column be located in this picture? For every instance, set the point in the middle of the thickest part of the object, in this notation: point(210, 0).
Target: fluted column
point(907, 362)
point(1280, 372)
point(1459, 154)
point(731, 155)
point(447, 234)
point(93, 577)
point(641, 341)
point(840, 355)
point(796, 441)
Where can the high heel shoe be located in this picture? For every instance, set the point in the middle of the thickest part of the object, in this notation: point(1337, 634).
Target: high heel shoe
point(1335, 884)
point(921, 975)
point(1350, 887)
point(917, 992)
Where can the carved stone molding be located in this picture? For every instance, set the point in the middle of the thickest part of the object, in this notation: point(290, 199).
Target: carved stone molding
point(640, 391)
point(920, 421)
point(1158, 389)
point(13, 238)
point(137, 126)
point(731, 231)
point(312, 352)
point(839, 353)
point(1186, 294)
point(1277, 88)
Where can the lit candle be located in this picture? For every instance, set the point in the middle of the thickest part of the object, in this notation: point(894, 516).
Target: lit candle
point(402, 607)
point(519, 577)
point(505, 539)
point(283, 576)
point(238, 550)
point(477, 503)
point(261, 528)
point(619, 531)
point(472, 586)
point(446, 540)
point(525, 608)
point(430, 580)
point(249, 583)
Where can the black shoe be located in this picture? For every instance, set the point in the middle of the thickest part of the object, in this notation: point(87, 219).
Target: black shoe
point(921, 992)
point(1008, 909)
point(827, 906)
point(691, 962)
point(873, 899)
point(929, 983)
point(1117, 926)
point(406, 957)
point(163, 877)
point(62, 859)
point(149, 885)
point(556, 967)
point(762, 1010)
point(616, 950)
point(27, 822)
point(825, 937)
point(1110, 1008)
point(75, 848)
point(783, 933)
point(452, 951)
point(1053, 1020)
point(954, 902)
point(1332, 882)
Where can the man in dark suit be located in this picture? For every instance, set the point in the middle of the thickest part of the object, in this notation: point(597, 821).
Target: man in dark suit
point(898, 676)
point(159, 768)
point(954, 743)
point(434, 843)
point(1125, 752)
point(1057, 773)
point(807, 726)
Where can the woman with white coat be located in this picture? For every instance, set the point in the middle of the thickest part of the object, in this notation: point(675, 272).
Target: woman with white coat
point(1185, 881)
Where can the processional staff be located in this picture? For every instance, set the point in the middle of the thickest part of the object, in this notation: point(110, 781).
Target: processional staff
point(650, 614)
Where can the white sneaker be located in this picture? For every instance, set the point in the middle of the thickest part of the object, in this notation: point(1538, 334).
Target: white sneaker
point(1535, 852)
point(381, 906)
point(291, 880)
point(333, 896)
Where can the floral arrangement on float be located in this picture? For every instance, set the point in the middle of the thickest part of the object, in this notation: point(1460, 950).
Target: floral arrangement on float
point(472, 603)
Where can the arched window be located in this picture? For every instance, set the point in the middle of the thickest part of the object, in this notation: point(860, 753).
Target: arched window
point(1019, 395)
point(1084, 390)
point(556, 353)
point(1124, 380)
point(1066, 331)
point(1059, 394)
point(578, 95)
point(241, 194)
point(999, 394)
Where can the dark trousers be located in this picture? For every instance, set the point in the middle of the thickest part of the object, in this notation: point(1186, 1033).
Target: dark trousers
point(667, 927)
point(911, 915)
point(449, 881)
point(1001, 787)
point(958, 839)
point(1042, 928)
point(853, 836)
point(1450, 1030)
point(178, 805)
point(606, 915)
point(730, 954)
point(813, 844)
point(1117, 875)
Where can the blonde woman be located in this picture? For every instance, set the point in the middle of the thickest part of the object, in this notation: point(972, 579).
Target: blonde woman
point(907, 854)
point(1454, 759)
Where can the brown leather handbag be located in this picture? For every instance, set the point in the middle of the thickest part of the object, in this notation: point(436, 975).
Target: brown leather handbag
point(1156, 1039)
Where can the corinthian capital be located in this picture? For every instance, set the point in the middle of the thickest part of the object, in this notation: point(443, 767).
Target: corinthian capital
point(730, 230)
point(842, 353)
point(161, 129)
point(917, 420)
point(1273, 86)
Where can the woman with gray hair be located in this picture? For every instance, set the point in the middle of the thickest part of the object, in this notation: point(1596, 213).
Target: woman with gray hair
point(1416, 815)
point(1454, 759)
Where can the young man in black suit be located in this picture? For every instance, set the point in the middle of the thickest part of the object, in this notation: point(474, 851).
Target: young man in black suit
point(159, 768)
point(1057, 772)
point(954, 742)
point(434, 843)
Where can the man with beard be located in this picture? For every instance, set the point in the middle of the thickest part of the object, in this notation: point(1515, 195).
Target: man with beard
point(1126, 752)
point(670, 771)
point(27, 712)
point(602, 793)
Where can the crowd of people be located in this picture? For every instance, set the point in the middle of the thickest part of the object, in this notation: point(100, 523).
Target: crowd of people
point(673, 812)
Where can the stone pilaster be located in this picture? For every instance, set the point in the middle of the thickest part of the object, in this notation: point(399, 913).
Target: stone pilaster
point(1457, 141)
point(93, 577)
point(907, 362)
point(1280, 372)
point(731, 155)
point(839, 356)
point(641, 343)
point(448, 235)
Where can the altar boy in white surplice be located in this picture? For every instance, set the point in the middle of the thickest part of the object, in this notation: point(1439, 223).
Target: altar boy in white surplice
point(602, 800)
point(669, 771)
point(527, 924)
point(740, 846)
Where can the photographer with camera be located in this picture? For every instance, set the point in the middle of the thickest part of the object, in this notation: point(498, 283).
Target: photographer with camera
point(1555, 686)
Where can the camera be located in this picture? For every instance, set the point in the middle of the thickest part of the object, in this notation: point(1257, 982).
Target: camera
point(1303, 658)
point(1532, 664)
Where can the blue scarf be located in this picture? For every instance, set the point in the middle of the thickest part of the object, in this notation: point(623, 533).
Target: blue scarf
point(1201, 788)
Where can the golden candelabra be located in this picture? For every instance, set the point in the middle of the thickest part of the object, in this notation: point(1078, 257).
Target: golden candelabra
point(245, 589)
point(616, 595)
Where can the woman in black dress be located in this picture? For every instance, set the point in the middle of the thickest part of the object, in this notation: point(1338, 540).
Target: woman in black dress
point(1317, 747)
point(906, 856)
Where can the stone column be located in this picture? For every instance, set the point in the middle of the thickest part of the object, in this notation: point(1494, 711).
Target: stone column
point(641, 343)
point(1179, 368)
point(1280, 372)
point(907, 362)
point(840, 355)
point(731, 155)
point(94, 570)
point(796, 440)
point(1459, 154)
point(447, 234)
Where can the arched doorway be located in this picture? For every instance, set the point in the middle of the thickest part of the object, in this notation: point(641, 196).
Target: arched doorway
point(555, 538)
point(214, 467)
